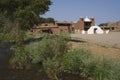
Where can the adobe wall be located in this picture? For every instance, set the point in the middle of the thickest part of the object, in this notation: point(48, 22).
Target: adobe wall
point(63, 29)
point(55, 30)
point(92, 21)
point(80, 25)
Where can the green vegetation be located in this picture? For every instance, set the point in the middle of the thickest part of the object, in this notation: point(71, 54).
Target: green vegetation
point(47, 20)
point(53, 52)
point(55, 56)
point(103, 24)
point(49, 51)
point(20, 58)
point(74, 60)
point(94, 67)
point(17, 16)
point(24, 13)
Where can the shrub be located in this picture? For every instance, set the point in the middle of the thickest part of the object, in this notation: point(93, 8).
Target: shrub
point(49, 51)
point(51, 46)
point(91, 66)
point(20, 57)
point(74, 60)
point(102, 68)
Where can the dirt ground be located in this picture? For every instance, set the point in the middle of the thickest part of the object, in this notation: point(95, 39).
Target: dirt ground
point(112, 39)
point(105, 45)
point(98, 49)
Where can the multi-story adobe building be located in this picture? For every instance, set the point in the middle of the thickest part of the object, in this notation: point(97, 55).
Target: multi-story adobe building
point(84, 23)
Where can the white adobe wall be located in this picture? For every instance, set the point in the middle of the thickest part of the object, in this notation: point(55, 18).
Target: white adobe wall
point(98, 31)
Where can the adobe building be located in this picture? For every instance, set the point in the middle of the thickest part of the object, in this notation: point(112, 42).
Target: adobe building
point(57, 27)
point(45, 27)
point(112, 26)
point(64, 27)
point(84, 23)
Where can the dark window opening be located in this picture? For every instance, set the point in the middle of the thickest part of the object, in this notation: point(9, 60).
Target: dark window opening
point(47, 31)
point(107, 28)
point(113, 28)
point(46, 24)
point(87, 25)
point(63, 24)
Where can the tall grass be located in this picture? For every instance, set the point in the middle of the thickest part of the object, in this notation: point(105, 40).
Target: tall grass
point(49, 52)
point(73, 61)
point(102, 68)
point(92, 66)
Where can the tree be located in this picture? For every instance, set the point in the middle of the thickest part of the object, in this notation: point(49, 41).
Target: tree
point(22, 15)
point(103, 24)
point(1, 24)
point(49, 20)
point(46, 20)
point(24, 12)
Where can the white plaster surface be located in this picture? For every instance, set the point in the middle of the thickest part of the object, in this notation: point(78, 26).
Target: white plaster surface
point(98, 31)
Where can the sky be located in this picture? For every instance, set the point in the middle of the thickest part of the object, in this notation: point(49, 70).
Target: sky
point(71, 10)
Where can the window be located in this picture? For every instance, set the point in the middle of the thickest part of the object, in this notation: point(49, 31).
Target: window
point(46, 24)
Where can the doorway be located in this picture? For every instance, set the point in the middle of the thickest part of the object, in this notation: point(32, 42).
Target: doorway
point(95, 30)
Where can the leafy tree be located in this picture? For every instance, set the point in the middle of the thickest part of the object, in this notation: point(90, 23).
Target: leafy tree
point(1, 25)
point(5, 28)
point(24, 12)
point(22, 15)
point(49, 20)
point(46, 20)
point(103, 24)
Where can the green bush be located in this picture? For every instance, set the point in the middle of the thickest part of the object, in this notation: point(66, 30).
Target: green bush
point(91, 66)
point(96, 69)
point(74, 60)
point(51, 46)
point(5, 37)
point(102, 68)
point(34, 50)
point(20, 57)
point(13, 36)
point(49, 51)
